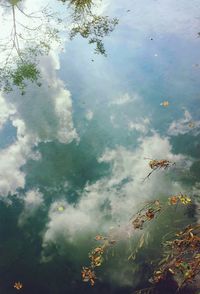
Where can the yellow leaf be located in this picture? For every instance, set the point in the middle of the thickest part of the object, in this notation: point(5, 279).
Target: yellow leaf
point(165, 103)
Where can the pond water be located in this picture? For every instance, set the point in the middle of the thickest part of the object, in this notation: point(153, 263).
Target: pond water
point(74, 152)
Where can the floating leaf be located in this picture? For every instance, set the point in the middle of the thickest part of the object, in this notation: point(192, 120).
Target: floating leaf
point(61, 208)
point(185, 199)
point(18, 285)
point(173, 200)
point(88, 275)
point(100, 237)
point(165, 103)
point(138, 222)
point(150, 214)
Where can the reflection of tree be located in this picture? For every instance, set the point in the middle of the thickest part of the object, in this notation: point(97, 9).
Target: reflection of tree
point(89, 25)
point(32, 34)
point(79, 5)
point(94, 29)
point(29, 36)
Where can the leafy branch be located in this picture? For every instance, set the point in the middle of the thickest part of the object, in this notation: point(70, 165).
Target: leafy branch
point(89, 25)
point(157, 164)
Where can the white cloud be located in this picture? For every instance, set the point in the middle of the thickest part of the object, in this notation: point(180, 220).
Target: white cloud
point(67, 223)
point(13, 158)
point(11, 177)
point(117, 195)
point(33, 29)
point(184, 125)
point(5, 111)
point(47, 110)
point(113, 121)
point(125, 99)
point(42, 114)
point(63, 107)
point(32, 201)
point(89, 115)
point(150, 16)
point(141, 125)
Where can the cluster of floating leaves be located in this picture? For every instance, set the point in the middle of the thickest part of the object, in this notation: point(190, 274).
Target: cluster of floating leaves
point(88, 275)
point(149, 213)
point(18, 285)
point(180, 198)
point(96, 258)
point(182, 257)
point(146, 215)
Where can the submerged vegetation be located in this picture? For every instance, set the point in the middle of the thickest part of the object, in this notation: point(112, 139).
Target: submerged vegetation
point(181, 257)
